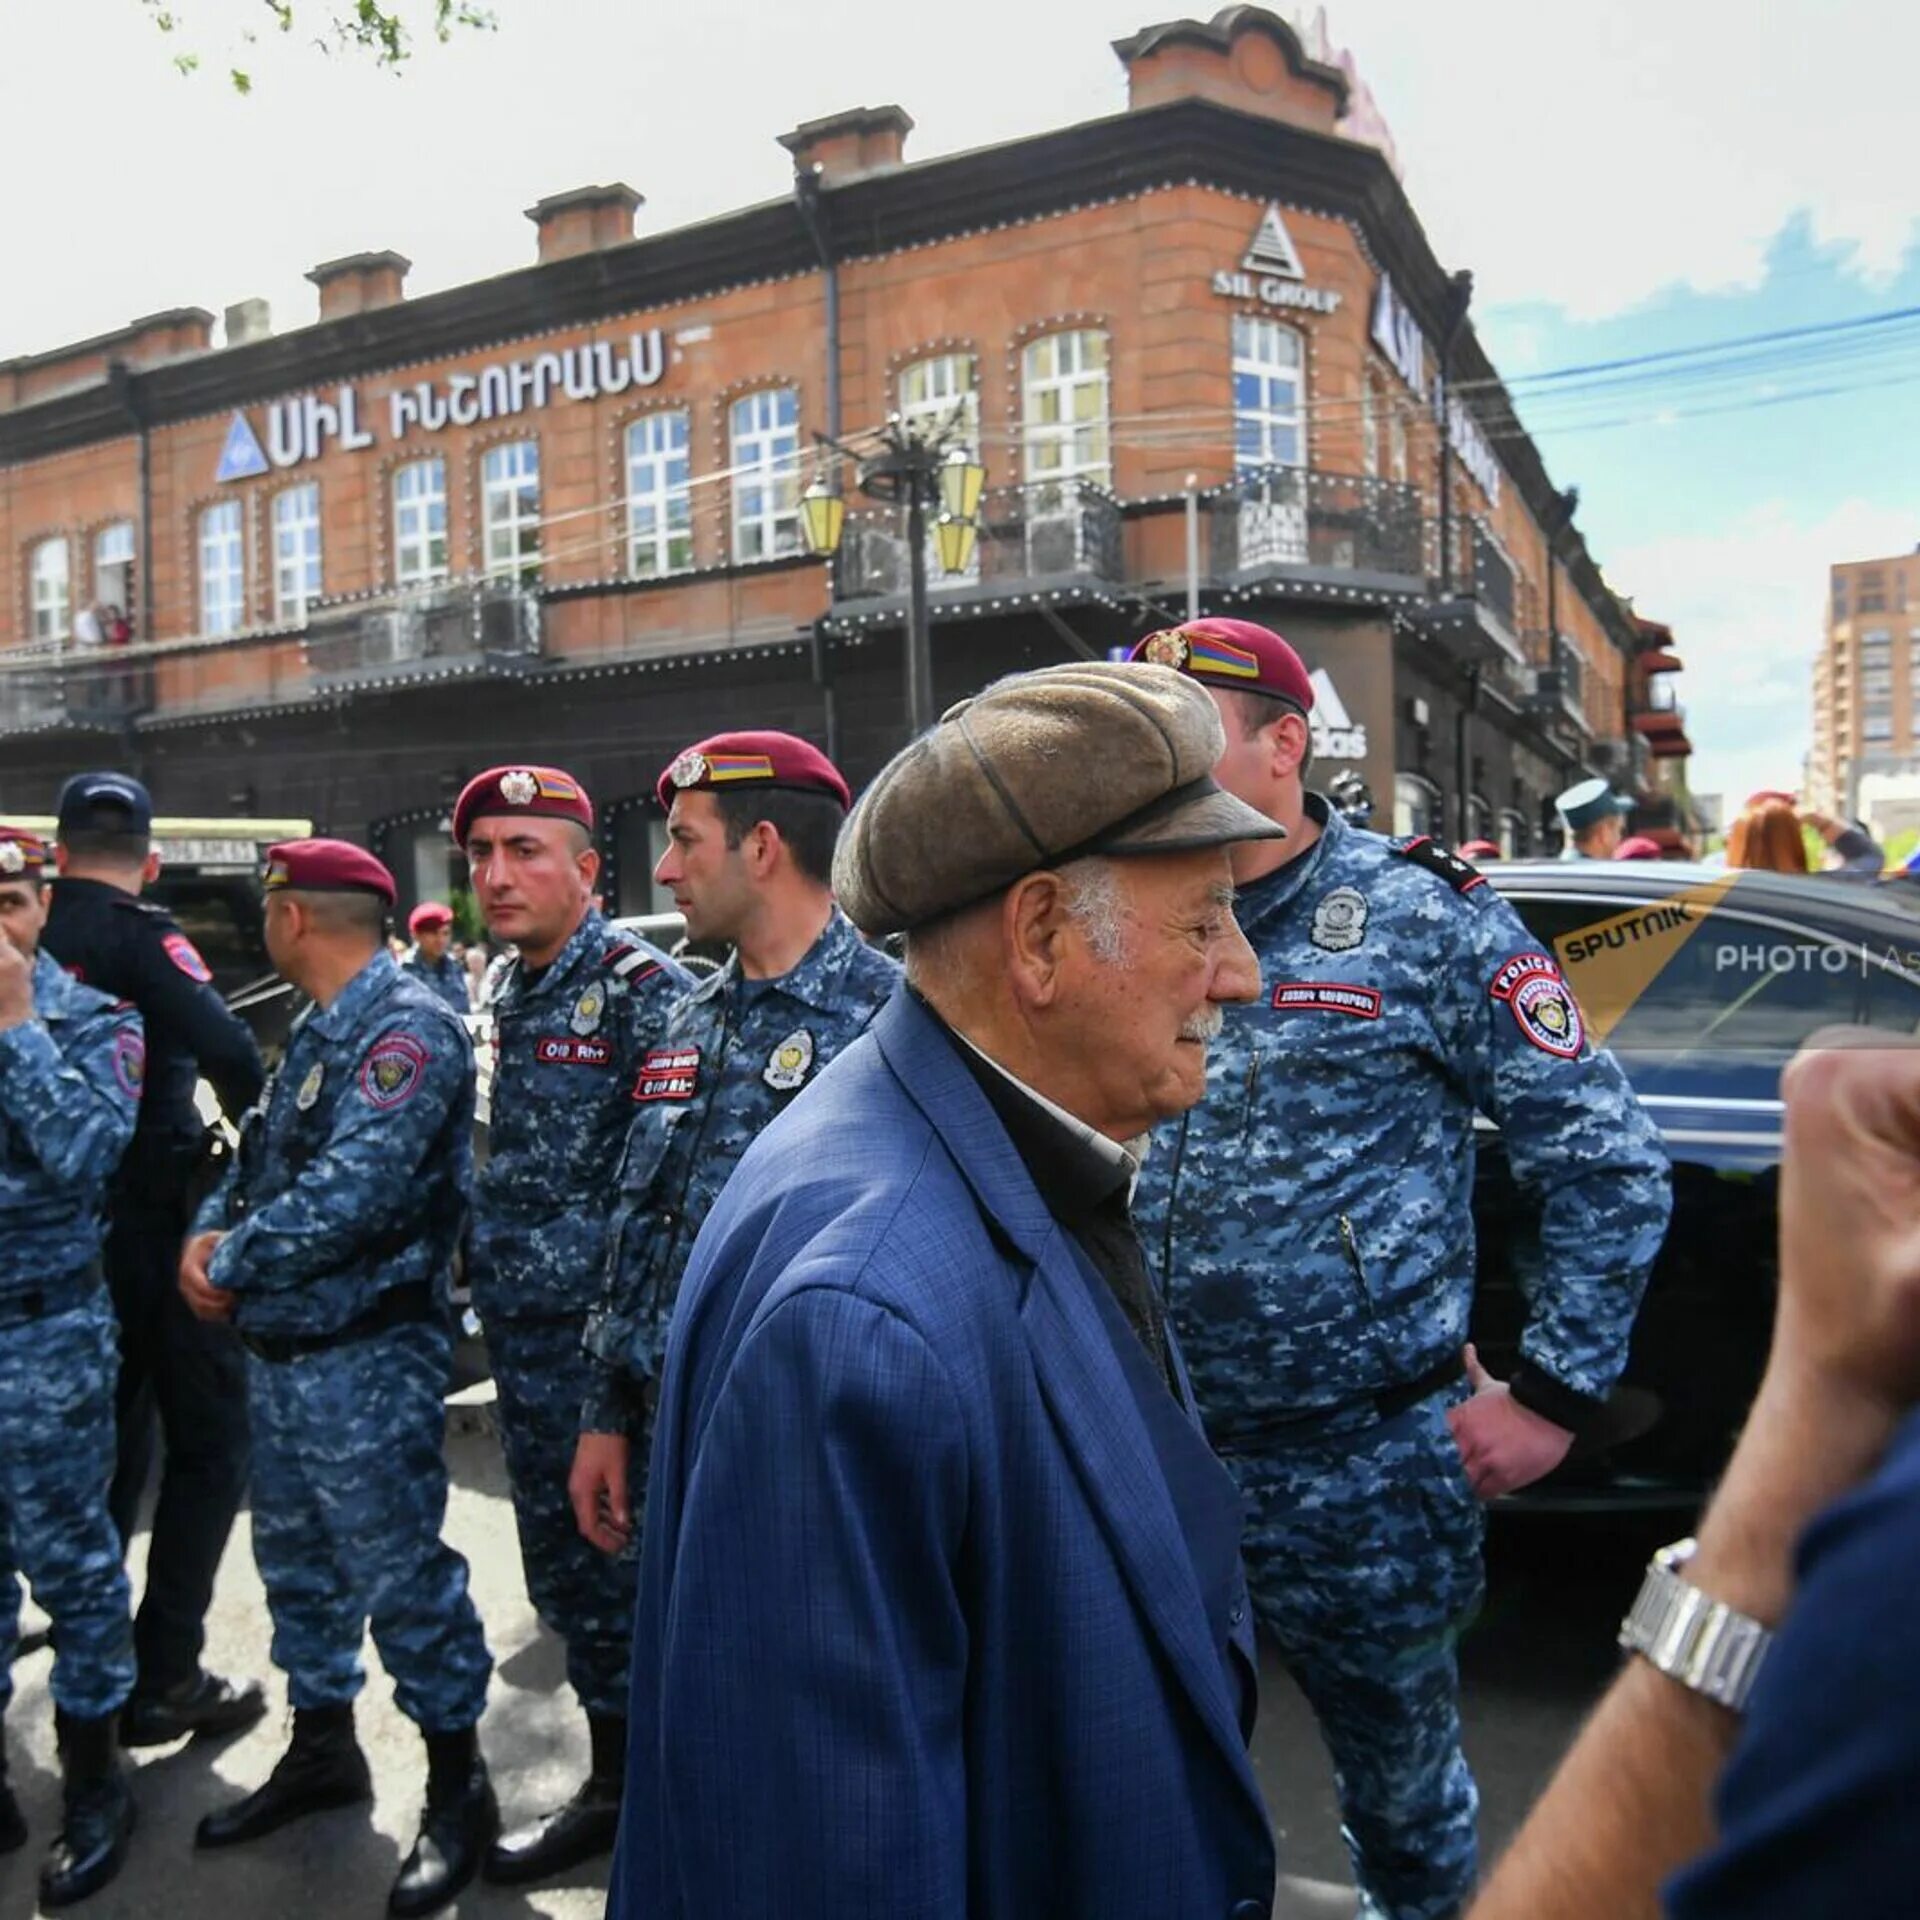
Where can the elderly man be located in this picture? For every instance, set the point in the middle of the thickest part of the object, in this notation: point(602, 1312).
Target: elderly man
point(940, 1602)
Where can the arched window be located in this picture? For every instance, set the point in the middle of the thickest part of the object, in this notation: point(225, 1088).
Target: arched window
point(52, 593)
point(420, 523)
point(1064, 411)
point(764, 456)
point(1269, 370)
point(1416, 805)
point(659, 496)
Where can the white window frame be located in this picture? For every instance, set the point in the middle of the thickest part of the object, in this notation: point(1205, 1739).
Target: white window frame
point(418, 488)
point(1416, 804)
point(763, 442)
point(511, 525)
point(1876, 727)
point(51, 574)
point(1256, 355)
point(113, 546)
point(942, 392)
point(221, 539)
point(659, 506)
point(1065, 440)
point(296, 553)
point(1369, 425)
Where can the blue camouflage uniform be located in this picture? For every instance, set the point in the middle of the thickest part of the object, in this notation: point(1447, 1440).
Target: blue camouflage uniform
point(70, 1083)
point(568, 1043)
point(445, 977)
point(733, 1053)
point(1311, 1222)
point(341, 1212)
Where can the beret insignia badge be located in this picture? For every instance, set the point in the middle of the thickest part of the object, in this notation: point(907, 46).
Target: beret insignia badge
point(1169, 649)
point(518, 788)
point(689, 770)
point(12, 860)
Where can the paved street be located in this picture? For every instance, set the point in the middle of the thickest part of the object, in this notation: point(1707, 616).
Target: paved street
point(1540, 1654)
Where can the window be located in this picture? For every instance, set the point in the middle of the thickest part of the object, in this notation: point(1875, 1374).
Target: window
point(765, 458)
point(1065, 410)
point(1267, 360)
point(1876, 683)
point(659, 496)
point(510, 509)
point(296, 553)
point(1416, 805)
point(223, 570)
point(1369, 427)
point(1397, 443)
point(113, 567)
point(52, 597)
point(1876, 726)
point(939, 394)
point(420, 523)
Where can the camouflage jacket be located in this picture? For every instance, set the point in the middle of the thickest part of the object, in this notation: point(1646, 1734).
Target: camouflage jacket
point(353, 1170)
point(733, 1053)
point(1311, 1220)
point(69, 1092)
point(445, 977)
point(567, 1047)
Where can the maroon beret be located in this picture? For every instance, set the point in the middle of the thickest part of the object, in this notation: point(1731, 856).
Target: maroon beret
point(23, 855)
point(428, 915)
point(1639, 846)
point(731, 760)
point(326, 866)
point(546, 793)
point(1232, 653)
point(1479, 850)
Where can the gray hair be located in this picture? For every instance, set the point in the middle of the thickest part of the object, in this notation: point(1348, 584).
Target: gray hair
point(1096, 900)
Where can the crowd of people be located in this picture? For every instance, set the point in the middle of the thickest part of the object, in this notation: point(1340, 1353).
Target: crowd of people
point(916, 1377)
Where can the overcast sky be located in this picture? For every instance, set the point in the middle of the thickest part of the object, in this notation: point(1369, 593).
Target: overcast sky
point(1649, 172)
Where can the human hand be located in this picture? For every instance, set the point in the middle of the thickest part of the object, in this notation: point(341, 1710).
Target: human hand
point(1503, 1445)
point(597, 1486)
point(16, 986)
point(203, 1298)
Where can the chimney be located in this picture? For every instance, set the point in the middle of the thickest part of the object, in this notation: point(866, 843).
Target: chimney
point(844, 146)
point(360, 282)
point(587, 220)
point(248, 321)
point(1244, 57)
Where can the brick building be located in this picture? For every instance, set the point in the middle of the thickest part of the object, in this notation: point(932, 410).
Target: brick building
point(1201, 345)
point(1866, 682)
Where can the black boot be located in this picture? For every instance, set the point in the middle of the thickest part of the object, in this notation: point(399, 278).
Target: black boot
point(459, 1822)
point(322, 1767)
point(13, 1823)
point(97, 1813)
point(581, 1830)
point(204, 1705)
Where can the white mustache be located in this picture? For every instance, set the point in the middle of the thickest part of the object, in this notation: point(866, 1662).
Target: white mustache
point(1204, 1026)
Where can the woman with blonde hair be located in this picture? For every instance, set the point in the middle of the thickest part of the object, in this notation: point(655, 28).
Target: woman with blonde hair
point(1767, 836)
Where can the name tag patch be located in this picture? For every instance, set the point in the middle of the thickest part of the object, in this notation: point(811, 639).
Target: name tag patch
point(558, 1050)
point(1327, 996)
point(668, 1073)
point(1542, 1004)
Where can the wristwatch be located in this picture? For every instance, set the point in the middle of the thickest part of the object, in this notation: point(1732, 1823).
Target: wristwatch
point(1689, 1636)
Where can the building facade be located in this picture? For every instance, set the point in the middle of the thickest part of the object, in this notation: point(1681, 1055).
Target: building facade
point(1866, 683)
point(1201, 347)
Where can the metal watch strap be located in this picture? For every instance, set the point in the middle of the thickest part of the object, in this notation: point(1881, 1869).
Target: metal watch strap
point(1701, 1642)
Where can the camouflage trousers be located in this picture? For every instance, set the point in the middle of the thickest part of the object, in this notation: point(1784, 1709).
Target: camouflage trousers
point(56, 1461)
point(586, 1597)
point(349, 1495)
point(1363, 1556)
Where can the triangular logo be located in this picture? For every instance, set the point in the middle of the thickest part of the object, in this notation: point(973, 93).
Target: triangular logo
point(240, 458)
point(1611, 962)
point(1328, 708)
point(1272, 249)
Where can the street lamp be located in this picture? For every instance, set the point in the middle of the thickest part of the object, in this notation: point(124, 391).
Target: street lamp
point(924, 475)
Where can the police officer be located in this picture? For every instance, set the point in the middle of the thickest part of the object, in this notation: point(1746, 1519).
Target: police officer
point(575, 1011)
point(191, 1373)
point(1595, 818)
point(328, 1246)
point(71, 1065)
point(1312, 1221)
point(431, 926)
point(751, 826)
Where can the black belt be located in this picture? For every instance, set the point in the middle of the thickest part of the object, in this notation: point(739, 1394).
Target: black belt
point(1388, 1403)
point(48, 1298)
point(397, 1307)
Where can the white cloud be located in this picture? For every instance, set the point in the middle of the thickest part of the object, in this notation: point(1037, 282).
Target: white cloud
point(1746, 601)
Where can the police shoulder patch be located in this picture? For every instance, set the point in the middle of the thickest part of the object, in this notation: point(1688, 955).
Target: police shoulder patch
point(1542, 1004)
point(130, 1061)
point(392, 1071)
point(186, 956)
point(1461, 875)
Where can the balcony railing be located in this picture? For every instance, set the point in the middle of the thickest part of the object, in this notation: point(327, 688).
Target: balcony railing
point(1051, 531)
point(1291, 519)
point(47, 687)
point(1559, 685)
point(471, 622)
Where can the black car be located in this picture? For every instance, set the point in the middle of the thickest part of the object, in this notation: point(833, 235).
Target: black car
point(1703, 983)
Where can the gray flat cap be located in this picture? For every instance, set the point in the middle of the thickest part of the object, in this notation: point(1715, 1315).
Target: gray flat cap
point(1040, 769)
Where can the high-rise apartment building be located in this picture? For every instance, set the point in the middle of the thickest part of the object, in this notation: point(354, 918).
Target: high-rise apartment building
point(1866, 681)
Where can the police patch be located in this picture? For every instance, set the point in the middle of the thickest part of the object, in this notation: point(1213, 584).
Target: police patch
point(668, 1073)
point(130, 1062)
point(789, 1062)
point(555, 1050)
point(310, 1086)
point(1542, 1004)
point(392, 1070)
point(585, 1018)
point(1339, 920)
point(186, 956)
point(1326, 996)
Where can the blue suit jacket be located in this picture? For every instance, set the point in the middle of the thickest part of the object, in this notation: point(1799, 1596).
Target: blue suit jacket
point(918, 1631)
